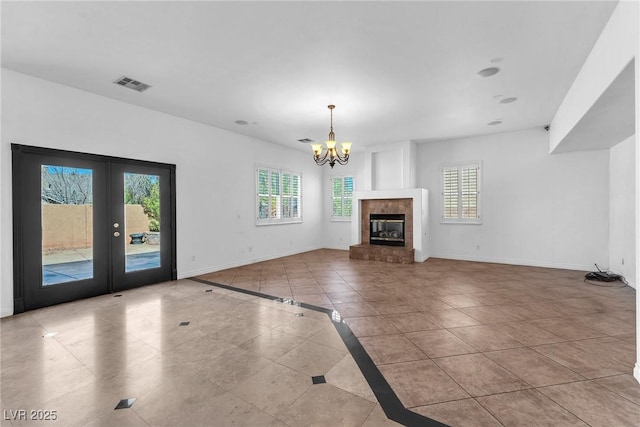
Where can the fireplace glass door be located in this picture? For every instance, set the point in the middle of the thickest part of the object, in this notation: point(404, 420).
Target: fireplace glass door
point(386, 229)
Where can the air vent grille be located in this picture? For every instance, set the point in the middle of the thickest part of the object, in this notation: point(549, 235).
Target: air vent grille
point(132, 84)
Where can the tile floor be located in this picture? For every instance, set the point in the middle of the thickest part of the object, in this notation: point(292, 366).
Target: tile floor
point(468, 344)
point(476, 344)
point(240, 361)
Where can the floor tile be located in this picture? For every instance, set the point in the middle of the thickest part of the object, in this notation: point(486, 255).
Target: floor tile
point(336, 287)
point(393, 306)
point(232, 367)
point(594, 404)
point(532, 367)
point(392, 348)
point(329, 336)
point(77, 407)
point(612, 348)
point(567, 328)
point(273, 389)
point(421, 383)
point(228, 410)
point(623, 385)
point(356, 309)
point(324, 404)
point(439, 343)
point(311, 358)
point(272, 344)
point(580, 360)
point(484, 338)
point(343, 297)
point(528, 407)
point(370, 325)
point(459, 413)
point(347, 376)
point(377, 418)
point(118, 418)
point(303, 326)
point(527, 333)
point(460, 300)
point(450, 318)
point(479, 375)
point(411, 322)
point(488, 315)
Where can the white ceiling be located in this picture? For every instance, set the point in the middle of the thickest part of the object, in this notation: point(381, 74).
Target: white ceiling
point(396, 71)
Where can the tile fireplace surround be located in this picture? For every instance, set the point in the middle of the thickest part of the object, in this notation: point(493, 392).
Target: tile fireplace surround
point(413, 203)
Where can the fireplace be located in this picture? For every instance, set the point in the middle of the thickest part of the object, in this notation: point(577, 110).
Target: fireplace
point(386, 229)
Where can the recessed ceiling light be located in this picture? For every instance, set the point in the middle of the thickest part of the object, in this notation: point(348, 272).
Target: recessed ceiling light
point(488, 72)
point(508, 100)
point(495, 122)
point(241, 122)
point(305, 140)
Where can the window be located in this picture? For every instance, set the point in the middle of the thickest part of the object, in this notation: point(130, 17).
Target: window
point(278, 196)
point(341, 198)
point(461, 193)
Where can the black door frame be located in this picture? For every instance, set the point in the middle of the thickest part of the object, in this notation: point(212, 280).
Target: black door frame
point(19, 224)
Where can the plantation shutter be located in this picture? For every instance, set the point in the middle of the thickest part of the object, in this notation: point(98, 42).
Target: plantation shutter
point(336, 191)
point(341, 197)
point(278, 196)
point(295, 196)
point(469, 193)
point(347, 207)
point(263, 194)
point(450, 193)
point(461, 193)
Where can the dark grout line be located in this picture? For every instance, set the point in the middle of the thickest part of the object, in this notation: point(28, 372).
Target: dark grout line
point(389, 401)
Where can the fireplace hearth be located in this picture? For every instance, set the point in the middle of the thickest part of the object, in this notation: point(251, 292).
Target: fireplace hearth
point(386, 229)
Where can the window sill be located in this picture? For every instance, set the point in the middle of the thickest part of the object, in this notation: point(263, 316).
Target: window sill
point(469, 222)
point(280, 222)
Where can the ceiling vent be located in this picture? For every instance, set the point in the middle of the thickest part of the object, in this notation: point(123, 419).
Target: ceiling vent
point(305, 140)
point(132, 84)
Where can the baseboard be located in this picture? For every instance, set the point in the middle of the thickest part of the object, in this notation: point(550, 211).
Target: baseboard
point(240, 263)
point(337, 247)
point(527, 263)
point(6, 312)
point(636, 372)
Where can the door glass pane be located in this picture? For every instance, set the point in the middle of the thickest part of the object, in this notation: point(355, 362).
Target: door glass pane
point(67, 224)
point(142, 221)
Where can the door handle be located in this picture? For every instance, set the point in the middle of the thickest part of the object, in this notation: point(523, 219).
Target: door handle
point(116, 234)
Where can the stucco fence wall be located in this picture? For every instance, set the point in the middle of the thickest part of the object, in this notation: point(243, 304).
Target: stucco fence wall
point(71, 226)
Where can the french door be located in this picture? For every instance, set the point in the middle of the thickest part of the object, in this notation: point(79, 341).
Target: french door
point(86, 225)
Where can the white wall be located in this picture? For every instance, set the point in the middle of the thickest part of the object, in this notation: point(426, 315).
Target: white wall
point(537, 209)
point(390, 166)
point(615, 48)
point(214, 168)
point(387, 171)
point(622, 194)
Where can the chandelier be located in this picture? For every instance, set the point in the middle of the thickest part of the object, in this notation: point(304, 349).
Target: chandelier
point(331, 154)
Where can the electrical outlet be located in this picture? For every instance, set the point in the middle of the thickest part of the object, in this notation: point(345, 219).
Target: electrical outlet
point(622, 261)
